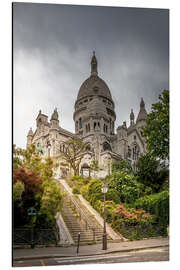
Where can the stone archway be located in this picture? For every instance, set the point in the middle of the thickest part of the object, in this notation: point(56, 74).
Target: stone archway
point(106, 146)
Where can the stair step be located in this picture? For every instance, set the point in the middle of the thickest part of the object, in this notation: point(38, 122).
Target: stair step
point(75, 224)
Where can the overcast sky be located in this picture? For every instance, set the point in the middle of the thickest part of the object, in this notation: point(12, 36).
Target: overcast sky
point(52, 49)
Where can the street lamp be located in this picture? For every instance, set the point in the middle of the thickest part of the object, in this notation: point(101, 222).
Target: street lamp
point(104, 190)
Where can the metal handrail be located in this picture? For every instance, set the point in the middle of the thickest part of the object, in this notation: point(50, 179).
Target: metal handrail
point(80, 212)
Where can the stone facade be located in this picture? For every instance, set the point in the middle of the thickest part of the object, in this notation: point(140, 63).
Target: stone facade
point(94, 118)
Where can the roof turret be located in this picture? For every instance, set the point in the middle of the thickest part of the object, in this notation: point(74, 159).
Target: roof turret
point(30, 133)
point(142, 113)
point(55, 115)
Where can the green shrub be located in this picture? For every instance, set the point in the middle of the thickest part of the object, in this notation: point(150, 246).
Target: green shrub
point(114, 195)
point(110, 209)
point(84, 192)
point(94, 191)
point(157, 204)
point(125, 184)
point(122, 166)
point(76, 178)
point(75, 190)
point(99, 206)
point(45, 219)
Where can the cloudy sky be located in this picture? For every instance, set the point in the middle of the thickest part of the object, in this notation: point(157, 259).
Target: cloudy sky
point(52, 49)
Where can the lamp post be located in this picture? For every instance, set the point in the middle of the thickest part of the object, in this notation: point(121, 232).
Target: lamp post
point(104, 190)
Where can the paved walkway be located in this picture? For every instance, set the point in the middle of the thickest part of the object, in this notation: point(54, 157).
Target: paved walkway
point(54, 252)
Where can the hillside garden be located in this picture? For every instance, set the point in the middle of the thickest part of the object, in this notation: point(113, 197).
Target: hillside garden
point(137, 202)
point(34, 186)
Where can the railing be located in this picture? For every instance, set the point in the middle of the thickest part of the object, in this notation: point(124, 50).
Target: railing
point(22, 236)
point(80, 212)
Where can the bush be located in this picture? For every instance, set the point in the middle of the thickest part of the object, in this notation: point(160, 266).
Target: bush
point(122, 166)
point(18, 189)
point(135, 224)
point(75, 190)
point(45, 220)
point(76, 178)
point(125, 184)
point(157, 204)
point(113, 195)
point(84, 192)
point(94, 191)
point(99, 206)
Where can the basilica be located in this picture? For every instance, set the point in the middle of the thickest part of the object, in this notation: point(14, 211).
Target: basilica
point(94, 118)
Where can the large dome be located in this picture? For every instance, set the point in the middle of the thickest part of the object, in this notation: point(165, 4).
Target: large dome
point(94, 86)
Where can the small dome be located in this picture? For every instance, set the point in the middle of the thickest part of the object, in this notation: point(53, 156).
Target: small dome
point(94, 86)
point(55, 115)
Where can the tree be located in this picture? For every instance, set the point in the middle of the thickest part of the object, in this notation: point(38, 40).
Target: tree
point(122, 165)
point(18, 189)
point(150, 173)
point(32, 185)
point(31, 160)
point(73, 152)
point(51, 199)
point(126, 185)
point(157, 128)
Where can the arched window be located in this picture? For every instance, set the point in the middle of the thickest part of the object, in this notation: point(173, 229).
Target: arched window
point(110, 122)
point(94, 125)
point(106, 146)
point(135, 152)
point(88, 147)
point(80, 123)
point(76, 125)
point(104, 129)
point(129, 152)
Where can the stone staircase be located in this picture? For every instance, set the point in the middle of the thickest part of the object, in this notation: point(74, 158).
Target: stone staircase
point(79, 217)
point(90, 230)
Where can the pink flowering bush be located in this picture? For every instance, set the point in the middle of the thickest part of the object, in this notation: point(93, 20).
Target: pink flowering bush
point(132, 215)
point(134, 223)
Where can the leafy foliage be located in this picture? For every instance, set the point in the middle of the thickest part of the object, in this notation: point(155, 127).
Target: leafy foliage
point(122, 166)
point(40, 190)
point(32, 185)
point(157, 204)
point(18, 189)
point(51, 199)
point(150, 173)
point(126, 185)
point(31, 160)
point(157, 128)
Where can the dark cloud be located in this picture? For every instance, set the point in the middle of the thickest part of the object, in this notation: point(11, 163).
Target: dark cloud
point(56, 41)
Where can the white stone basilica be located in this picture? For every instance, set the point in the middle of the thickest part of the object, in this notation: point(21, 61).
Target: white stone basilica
point(94, 118)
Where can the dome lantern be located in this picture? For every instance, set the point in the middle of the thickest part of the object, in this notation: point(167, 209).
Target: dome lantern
point(94, 71)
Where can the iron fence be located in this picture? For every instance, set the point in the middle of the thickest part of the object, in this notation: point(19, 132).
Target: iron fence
point(22, 236)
